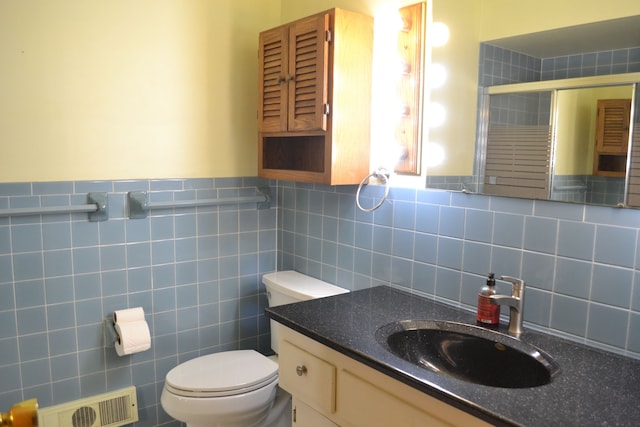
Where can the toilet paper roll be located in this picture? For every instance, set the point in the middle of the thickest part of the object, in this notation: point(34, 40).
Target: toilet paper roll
point(133, 337)
point(128, 315)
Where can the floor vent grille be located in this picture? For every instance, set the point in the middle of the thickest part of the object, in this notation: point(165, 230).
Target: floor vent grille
point(112, 409)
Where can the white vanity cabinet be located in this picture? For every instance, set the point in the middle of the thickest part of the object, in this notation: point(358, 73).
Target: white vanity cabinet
point(331, 389)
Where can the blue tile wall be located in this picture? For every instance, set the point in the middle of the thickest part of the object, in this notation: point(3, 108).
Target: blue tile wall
point(581, 263)
point(591, 64)
point(195, 271)
point(498, 66)
point(600, 190)
point(503, 66)
point(521, 109)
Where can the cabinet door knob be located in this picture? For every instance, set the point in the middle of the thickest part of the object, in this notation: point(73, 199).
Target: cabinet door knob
point(301, 370)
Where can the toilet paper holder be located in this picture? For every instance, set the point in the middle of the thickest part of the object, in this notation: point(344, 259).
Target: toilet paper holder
point(110, 334)
point(127, 331)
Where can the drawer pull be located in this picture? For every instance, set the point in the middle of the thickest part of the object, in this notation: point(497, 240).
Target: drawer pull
point(301, 370)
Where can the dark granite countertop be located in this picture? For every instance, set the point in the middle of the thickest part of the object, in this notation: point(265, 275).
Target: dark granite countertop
point(594, 387)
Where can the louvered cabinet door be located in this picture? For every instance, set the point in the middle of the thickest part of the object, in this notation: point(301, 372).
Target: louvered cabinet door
point(612, 137)
point(612, 129)
point(315, 93)
point(272, 80)
point(308, 69)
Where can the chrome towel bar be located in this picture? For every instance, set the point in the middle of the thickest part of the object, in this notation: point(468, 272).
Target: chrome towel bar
point(139, 204)
point(97, 207)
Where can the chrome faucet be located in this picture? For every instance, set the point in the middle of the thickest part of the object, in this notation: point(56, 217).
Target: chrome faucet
point(515, 303)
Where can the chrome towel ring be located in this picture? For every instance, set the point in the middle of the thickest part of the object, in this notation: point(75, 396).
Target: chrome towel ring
point(379, 173)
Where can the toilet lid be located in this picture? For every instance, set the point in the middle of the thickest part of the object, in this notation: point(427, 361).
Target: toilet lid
point(222, 374)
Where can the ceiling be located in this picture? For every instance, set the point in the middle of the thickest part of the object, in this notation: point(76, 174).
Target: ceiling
point(597, 36)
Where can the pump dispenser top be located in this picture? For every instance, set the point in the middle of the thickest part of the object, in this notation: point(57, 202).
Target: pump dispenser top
point(491, 280)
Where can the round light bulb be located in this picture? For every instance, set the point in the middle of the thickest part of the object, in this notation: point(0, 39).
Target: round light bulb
point(439, 34)
point(435, 115)
point(437, 75)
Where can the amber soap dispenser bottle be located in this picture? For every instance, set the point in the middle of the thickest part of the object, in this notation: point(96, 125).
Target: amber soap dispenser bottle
point(488, 314)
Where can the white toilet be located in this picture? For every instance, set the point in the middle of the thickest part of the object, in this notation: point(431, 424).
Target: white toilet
point(239, 388)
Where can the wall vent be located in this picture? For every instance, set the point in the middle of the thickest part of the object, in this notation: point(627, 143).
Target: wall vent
point(112, 409)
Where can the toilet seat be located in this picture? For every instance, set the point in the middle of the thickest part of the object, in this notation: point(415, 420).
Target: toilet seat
point(227, 373)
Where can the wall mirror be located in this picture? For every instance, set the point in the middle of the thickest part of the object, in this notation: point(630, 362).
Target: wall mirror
point(564, 140)
point(540, 58)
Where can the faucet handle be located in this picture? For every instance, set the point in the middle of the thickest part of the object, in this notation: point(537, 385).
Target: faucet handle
point(518, 284)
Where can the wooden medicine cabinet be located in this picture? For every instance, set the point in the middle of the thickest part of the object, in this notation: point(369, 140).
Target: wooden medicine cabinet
point(314, 85)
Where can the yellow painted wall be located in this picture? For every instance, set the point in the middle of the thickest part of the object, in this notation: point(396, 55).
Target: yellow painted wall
point(294, 9)
point(505, 18)
point(117, 89)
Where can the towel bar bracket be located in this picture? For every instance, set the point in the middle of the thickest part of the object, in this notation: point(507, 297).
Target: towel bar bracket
point(266, 192)
point(138, 205)
point(101, 202)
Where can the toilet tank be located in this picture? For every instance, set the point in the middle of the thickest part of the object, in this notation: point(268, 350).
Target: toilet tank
point(286, 287)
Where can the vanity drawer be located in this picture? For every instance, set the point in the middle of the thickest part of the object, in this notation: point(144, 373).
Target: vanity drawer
point(307, 377)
